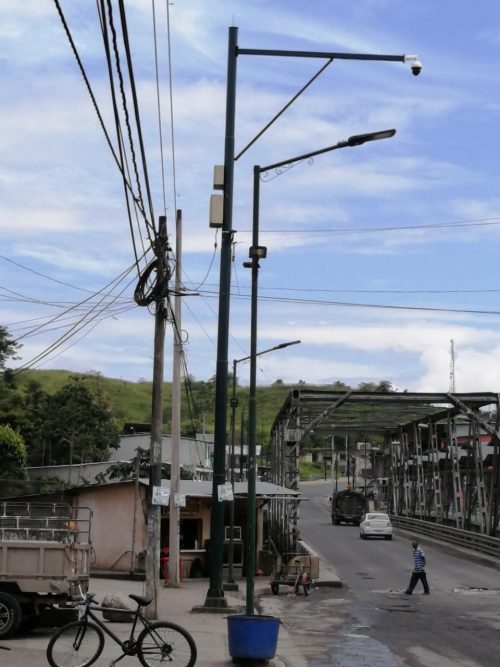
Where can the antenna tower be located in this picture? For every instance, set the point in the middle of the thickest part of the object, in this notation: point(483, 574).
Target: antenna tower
point(452, 367)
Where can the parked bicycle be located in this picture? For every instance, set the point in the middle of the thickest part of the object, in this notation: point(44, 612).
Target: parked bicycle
point(80, 643)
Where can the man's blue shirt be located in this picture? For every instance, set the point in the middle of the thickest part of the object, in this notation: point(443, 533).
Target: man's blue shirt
point(418, 560)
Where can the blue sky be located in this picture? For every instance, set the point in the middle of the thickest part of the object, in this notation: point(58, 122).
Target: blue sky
point(412, 222)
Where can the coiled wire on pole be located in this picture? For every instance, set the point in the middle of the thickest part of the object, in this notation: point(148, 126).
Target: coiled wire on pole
point(149, 290)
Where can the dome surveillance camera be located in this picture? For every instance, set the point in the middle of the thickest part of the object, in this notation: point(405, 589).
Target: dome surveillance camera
point(416, 67)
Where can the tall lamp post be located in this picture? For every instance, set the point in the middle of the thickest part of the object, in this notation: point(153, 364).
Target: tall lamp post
point(231, 584)
point(215, 594)
point(256, 253)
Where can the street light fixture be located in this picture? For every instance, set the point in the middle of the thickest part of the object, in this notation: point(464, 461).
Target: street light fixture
point(355, 140)
point(231, 585)
point(215, 594)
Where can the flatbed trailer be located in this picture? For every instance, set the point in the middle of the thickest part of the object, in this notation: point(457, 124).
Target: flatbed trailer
point(44, 563)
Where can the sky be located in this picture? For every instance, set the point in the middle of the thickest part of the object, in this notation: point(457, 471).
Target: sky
point(378, 256)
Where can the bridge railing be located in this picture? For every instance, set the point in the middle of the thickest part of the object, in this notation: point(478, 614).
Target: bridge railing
point(464, 538)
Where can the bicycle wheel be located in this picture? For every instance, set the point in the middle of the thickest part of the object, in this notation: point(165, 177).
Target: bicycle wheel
point(77, 644)
point(164, 642)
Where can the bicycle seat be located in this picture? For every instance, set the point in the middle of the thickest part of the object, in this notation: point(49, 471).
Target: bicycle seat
point(141, 599)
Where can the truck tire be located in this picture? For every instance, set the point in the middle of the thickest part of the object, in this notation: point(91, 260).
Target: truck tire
point(10, 615)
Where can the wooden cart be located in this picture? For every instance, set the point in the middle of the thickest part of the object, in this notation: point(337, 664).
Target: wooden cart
point(294, 570)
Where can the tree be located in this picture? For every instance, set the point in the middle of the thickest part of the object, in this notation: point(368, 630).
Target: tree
point(30, 419)
point(79, 426)
point(198, 409)
point(385, 386)
point(9, 396)
point(139, 466)
point(367, 386)
point(50, 484)
point(8, 347)
point(13, 455)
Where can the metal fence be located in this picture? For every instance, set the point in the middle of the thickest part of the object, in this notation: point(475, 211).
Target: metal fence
point(52, 522)
point(464, 538)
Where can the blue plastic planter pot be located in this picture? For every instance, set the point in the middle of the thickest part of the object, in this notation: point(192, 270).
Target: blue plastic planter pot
point(252, 637)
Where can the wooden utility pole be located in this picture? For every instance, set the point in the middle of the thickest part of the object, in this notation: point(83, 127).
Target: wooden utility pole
point(174, 514)
point(154, 511)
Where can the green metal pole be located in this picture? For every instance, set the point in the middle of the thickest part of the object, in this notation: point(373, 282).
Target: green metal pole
point(252, 402)
point(215, 595)
point(234, 402)
point(242, 439)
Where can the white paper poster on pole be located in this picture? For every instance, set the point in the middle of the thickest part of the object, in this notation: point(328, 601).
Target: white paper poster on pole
point(161, 496)
point(180, 500)
point(225, 492)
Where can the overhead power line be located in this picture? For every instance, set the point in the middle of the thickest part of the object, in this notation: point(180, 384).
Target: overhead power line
point(101, 7)
point(340, 231)
point(334, 290)
point(95, 311)
point(89, 88)
point(43, 275)
point(323, 302)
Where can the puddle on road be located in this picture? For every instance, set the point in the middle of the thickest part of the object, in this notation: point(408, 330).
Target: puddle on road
point(477, 590)
point(361, 651)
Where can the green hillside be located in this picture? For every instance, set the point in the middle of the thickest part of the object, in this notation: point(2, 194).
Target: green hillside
point(131, 401)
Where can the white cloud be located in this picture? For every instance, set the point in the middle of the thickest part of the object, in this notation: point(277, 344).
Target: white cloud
point(63, 211)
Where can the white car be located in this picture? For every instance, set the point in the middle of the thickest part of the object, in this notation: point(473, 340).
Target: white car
point(375, 524)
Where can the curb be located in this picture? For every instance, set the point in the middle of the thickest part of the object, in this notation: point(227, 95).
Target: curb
point(229, 611)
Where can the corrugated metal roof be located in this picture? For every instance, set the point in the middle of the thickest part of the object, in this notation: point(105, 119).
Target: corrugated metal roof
point(203, 489)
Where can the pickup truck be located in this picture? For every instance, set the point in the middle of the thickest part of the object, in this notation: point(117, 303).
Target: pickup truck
point(347, 506)
point(44, 563)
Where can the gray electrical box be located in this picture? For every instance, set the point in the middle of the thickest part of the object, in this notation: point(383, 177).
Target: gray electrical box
point(216, 210)
point(219, 177)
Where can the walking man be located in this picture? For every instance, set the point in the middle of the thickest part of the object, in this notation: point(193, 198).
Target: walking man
point(418, 572)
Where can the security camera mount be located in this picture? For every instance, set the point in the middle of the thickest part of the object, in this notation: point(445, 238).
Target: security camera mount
point(416, 65)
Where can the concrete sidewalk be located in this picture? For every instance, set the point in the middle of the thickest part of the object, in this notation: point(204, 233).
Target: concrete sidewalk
point(209, 630)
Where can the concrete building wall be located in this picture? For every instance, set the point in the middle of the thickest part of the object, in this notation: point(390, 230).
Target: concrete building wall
point(117, 538)
point(195, 456)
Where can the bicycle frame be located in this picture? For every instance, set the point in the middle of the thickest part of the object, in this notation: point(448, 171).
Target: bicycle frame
point(127, 646)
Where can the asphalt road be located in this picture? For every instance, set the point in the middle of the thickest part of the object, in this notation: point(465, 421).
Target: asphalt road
point(370, 622)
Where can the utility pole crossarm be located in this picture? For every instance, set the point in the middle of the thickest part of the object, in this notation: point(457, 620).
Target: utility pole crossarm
point(321, 54)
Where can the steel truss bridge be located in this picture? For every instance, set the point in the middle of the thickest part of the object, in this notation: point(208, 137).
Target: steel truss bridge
point(440, 453)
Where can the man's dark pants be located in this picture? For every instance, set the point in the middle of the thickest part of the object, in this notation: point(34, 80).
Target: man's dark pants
point(415, 577)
